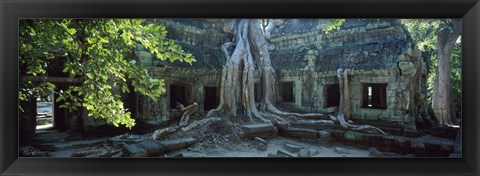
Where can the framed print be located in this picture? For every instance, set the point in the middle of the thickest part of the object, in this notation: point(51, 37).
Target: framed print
point(239, 87)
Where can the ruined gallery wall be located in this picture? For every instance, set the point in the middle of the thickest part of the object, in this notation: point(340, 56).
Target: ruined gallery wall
point(199, 37)
point(373, 51)
point(194, 83)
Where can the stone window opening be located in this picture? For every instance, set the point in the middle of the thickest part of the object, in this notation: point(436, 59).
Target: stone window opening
point(286, 92)
point(375, 95)
point(211, 99)
point(332, 95)
point(177, 95)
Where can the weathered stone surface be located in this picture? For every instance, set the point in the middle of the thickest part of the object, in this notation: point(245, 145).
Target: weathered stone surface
point(199, 37)
point(171, 145)
point(142, 149)
point(313, 152)
point(293, 148)
point(258, 130)
point(420, 146)
point(299, 133)
point(324, 135)
point(155, 148)
point(101, 151)
point(261, 144)
point(277, 155)
point(29, 151)
point(313, 124)
point(340, 150)
point(262, 147)
point(361, 47)
point(281, 152)
point(304, 153)
point(178, 155)
point(350, 138)
point(56, 146)
point(118, 140)
point(374, 152)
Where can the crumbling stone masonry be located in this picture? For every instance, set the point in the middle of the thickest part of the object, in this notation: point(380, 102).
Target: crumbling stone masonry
point(386, 73)
point(385, 70)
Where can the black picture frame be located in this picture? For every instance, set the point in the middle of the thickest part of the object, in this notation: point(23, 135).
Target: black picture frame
point(12, 10)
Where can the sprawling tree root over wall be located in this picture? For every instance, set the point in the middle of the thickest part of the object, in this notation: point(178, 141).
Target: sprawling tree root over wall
point(183, 124)
point(189, 110)
point(237, 84)
point(341, 114)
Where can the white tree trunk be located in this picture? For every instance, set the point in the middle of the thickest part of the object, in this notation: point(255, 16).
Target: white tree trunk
point(442, 91)
point(237, 84)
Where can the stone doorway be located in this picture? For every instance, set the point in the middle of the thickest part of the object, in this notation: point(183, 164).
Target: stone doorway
point(212, 98)
point(177, 95)
point(286, 92)
point(332, 95)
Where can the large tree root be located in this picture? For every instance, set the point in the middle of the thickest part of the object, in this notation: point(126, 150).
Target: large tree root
point(189, 110)
point(237, 81)
point(340, 116)
point(161, 133)
point(361, 128)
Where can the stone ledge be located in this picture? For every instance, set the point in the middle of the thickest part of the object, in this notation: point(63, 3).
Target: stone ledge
point(425, 146)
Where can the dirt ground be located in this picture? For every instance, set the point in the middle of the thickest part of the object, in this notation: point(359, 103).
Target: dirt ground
point(218, 139)
point(221, 140)
point(247, 148)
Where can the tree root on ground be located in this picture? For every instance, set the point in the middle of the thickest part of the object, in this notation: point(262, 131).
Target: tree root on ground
point(161, 133)
point(361, 128)
point(183, 125)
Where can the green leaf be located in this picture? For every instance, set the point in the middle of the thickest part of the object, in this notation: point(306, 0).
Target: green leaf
point(90, 75)
point(51, 85)
point(102, 56)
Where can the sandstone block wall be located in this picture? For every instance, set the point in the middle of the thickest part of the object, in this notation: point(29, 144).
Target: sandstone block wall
point(374, 51)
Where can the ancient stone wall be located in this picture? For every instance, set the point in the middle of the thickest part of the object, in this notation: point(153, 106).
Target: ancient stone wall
point(200, 37)
point(194, 82)
point(374, 51)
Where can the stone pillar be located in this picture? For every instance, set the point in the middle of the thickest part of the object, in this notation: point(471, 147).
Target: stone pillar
point(346, 95)
point(60, 117)
point(198, 94)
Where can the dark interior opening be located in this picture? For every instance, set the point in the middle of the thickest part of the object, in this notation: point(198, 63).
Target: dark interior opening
point(212, 98)
point(177, 94)
point(258, 92)
point(375, 95)
point(286, 91)
point(332, 95)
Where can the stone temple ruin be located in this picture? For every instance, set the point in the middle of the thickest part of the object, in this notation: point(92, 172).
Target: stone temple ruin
point(385, 84)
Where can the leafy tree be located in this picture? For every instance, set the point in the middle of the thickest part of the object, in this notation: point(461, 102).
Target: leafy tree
point(99, 52)
point(440, 38)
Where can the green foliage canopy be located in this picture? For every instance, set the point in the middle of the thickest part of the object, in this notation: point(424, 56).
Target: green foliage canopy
point(98, 51)
point(424, 33)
